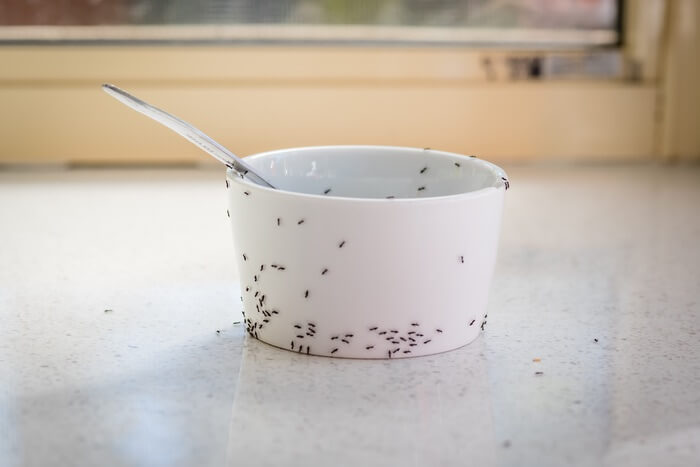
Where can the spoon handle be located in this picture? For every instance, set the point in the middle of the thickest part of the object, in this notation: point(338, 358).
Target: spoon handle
point(188, 132)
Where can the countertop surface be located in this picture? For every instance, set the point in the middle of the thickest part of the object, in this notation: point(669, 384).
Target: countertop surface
point(114, 283)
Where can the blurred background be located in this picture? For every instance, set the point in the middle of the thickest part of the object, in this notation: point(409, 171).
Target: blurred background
point(508, 80)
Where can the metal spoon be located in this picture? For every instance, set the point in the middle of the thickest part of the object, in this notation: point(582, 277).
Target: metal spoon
point(189, 132)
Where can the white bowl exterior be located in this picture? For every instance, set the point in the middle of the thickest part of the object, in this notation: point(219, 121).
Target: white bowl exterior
point(411, 278)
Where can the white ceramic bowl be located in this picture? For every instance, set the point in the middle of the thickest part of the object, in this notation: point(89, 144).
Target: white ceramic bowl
point(366, 251)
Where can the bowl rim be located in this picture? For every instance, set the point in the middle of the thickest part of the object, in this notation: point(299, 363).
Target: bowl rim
point(498, 171)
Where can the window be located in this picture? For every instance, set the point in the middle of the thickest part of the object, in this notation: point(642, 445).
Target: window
point(569, 23)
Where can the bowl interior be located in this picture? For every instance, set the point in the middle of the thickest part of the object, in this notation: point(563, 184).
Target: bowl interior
point(375, 171)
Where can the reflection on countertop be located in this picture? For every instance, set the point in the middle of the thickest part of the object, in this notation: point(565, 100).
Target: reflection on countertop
point(113, 285)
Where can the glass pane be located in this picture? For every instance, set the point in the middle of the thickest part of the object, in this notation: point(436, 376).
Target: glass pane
point(459, 16)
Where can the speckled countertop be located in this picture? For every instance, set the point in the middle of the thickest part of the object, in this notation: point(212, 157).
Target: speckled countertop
point(606, 253)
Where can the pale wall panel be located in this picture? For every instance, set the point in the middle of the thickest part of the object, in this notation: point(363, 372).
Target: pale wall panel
point(504, 122)
point(680, 129)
